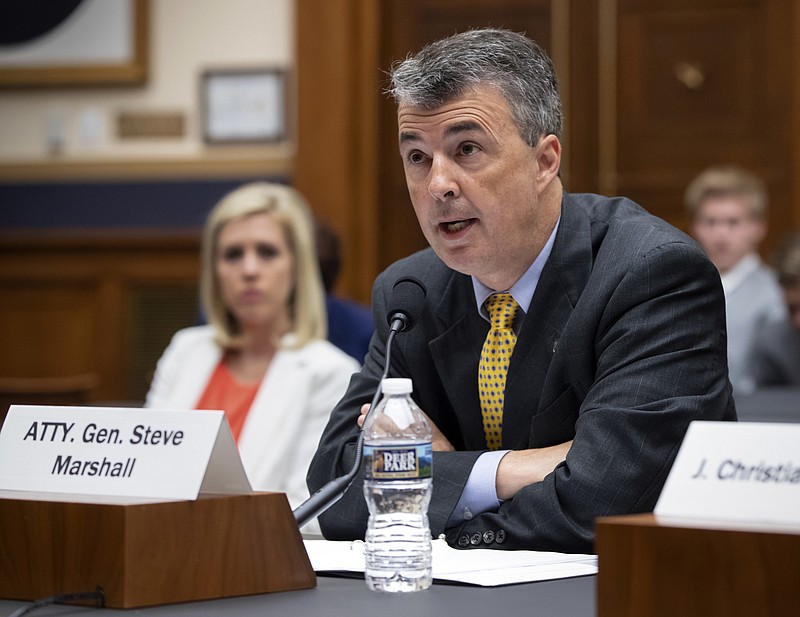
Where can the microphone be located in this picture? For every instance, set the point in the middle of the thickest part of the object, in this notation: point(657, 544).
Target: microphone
point(405, 304)
point(404, 308)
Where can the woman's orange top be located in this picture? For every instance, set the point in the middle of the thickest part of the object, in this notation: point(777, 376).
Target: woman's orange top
point(234, 398)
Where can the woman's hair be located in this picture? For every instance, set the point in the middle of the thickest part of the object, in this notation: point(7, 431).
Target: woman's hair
point(514, 64)
point(289, 209)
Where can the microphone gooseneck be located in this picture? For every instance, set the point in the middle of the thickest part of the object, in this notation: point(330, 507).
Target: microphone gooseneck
point(404, 308)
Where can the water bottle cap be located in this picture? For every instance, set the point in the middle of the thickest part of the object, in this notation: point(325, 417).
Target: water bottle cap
point(396, 385)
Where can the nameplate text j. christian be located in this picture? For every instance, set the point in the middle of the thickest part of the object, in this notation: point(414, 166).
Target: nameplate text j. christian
point(746, 472)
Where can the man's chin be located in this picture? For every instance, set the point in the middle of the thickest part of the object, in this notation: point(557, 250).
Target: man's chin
point(455, 258)
point(461, 261)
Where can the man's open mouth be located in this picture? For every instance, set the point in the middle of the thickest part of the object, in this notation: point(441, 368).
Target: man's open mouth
point(456, 226)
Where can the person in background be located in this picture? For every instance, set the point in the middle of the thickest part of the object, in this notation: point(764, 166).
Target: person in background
point(728, 207)
point(617, 319)
point(776, 355)
point(350, 324)
point(263, 357)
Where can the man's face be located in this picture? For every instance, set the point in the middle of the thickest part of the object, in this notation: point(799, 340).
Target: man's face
point(727, 231)
point(477, 187)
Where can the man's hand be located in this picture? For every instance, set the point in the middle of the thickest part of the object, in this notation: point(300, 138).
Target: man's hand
point(439, 443)
point(519, 468)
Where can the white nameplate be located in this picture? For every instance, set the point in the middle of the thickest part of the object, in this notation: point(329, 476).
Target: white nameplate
point(115, 451)
point(736, 471)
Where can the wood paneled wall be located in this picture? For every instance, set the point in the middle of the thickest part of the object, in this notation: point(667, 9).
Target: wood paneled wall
point(701, 83)
point(104, 303)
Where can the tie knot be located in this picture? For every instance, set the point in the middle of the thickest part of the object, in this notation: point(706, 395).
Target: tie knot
point(502, 309)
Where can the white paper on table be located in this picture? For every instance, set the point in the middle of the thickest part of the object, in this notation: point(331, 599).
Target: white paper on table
point(484, 567)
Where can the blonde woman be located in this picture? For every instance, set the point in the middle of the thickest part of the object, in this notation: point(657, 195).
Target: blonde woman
point(263, 357)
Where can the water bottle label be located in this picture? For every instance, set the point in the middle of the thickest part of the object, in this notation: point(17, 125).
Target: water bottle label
point(398, 462)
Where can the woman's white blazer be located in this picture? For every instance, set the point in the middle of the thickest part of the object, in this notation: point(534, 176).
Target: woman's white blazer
point(289, 412)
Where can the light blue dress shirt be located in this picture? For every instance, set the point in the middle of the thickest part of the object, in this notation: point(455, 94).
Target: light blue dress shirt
point(480, 491)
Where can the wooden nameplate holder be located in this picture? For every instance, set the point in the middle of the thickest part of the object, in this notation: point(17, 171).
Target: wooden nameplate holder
point(152, 553)
point(650, 566)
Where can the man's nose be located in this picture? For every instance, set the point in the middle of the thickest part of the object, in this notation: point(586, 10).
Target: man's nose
point(442, 184)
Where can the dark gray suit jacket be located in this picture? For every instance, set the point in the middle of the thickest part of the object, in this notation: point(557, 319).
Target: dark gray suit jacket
point(623, 346)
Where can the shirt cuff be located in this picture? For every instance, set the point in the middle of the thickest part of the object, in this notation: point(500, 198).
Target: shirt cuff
point(480, 491)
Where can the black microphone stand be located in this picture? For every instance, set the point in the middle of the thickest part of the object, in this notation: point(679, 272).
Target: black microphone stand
point(330, 493)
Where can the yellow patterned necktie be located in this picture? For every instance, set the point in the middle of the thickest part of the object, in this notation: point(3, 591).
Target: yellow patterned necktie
point(493, 367)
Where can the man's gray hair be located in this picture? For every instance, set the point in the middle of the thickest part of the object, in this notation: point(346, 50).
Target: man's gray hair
point(514, 64)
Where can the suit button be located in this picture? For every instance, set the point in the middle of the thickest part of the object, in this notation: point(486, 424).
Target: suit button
point(475, 539)
point(488, 536)
point(463, 541)
point(500, 536)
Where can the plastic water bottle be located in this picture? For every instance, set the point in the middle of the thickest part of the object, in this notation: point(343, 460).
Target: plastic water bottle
point(397, 487)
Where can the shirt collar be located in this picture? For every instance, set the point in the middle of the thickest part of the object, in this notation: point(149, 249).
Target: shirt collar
point(522, 291)
point(734, 277)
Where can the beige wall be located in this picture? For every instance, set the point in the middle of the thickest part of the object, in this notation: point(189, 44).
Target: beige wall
point(186, 37)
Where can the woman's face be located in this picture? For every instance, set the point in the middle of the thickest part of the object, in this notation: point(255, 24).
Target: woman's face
point(255, 270)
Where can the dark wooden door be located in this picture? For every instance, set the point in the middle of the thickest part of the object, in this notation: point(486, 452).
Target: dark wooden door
point(703, 83)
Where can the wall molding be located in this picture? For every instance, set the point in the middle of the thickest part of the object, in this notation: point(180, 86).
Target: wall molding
point(254, 162)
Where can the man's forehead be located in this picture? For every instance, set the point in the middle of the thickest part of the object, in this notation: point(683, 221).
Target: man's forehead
point(411, 131)
point(469, 113)
point(727, 204)
point(482, 94)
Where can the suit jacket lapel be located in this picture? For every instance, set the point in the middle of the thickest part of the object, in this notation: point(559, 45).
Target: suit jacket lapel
point(456, 352)
point(562, 281)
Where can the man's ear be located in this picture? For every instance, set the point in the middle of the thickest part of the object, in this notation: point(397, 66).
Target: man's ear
point(548, 158)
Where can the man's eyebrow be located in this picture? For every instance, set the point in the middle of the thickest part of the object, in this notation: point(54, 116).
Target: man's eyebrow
point(460, 127)
point(407, 136)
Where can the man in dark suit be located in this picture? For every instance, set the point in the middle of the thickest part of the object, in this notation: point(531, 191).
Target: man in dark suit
point(620, 325)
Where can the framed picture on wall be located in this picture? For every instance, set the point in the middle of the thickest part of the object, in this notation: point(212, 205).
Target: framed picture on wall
point(244, 105)
point(73, 43)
